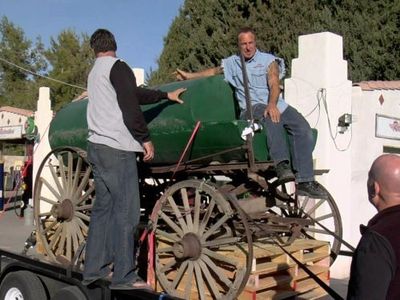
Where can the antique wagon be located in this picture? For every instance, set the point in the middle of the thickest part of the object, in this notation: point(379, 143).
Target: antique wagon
point(209, 194)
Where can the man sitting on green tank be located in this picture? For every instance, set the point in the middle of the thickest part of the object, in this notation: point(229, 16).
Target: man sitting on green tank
point(264, 72)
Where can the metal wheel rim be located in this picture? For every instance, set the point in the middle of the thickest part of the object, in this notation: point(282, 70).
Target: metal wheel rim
point(305, 208)
point(70, 192)
point(13, 294)
point(213, 274)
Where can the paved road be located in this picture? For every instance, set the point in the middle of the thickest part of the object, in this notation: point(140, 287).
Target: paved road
point(13, 231)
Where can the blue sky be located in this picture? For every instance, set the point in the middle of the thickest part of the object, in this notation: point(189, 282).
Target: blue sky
point(139, 26)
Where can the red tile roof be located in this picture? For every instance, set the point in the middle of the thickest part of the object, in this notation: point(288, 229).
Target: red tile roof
point(18, 111)
point(378, 85)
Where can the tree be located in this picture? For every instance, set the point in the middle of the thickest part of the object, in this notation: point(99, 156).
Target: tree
point(70, 57)
point(205, 31)
point(370, 33)
point(16, 53)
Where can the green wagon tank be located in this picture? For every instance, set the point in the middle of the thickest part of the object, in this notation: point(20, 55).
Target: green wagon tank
point(208, 100)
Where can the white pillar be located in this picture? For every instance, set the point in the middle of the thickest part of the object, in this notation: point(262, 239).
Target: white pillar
point(43, 117)
point(320, 90)
point(139, 74)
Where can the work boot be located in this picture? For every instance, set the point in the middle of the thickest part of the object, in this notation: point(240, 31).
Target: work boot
point(311, 189)
point(284, 172)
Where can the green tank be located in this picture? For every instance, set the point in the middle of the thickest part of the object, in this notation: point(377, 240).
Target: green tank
point(208, 100)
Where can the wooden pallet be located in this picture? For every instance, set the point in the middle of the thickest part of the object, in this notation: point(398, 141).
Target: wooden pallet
point(275, 275)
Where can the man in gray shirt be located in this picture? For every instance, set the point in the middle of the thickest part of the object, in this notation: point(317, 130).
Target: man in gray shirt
point(117, 130)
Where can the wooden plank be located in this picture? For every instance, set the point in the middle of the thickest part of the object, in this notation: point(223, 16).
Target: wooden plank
point(269, 282)
point(269, 294)
point(314, 294)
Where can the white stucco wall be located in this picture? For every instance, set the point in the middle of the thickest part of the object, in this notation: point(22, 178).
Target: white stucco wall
point(319, 74)
point(366, 146)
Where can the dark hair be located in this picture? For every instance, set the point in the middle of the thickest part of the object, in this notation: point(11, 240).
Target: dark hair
point(246, 29)
point(102, 40)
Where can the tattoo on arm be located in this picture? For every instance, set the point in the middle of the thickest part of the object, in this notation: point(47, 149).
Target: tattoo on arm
point(273, 74)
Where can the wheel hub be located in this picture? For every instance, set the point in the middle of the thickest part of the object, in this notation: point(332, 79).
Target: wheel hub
point(13, 294)
point(64, 210)
point(188, 248)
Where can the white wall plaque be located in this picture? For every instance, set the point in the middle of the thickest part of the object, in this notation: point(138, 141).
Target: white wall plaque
point(387, 127)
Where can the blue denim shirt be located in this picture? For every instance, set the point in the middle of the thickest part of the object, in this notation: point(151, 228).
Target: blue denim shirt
point(257, 68)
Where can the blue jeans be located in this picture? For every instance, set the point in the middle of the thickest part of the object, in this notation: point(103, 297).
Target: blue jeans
point(295, 126)
point(115, 214)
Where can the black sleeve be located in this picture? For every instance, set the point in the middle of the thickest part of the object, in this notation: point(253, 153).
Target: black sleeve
point(372, 268)
point(130, 97)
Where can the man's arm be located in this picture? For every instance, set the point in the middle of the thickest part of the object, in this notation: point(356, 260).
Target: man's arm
point(372, 268)
point(130, 97)
point(182, 75)
point(124, 83)
point(274, 90)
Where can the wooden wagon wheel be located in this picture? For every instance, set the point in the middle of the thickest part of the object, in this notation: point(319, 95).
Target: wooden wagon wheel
point(324, 215)
point(63, 200)
point(203, 243)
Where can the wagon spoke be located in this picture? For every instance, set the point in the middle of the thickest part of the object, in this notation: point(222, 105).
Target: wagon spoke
point(206, 217)
point(171, 224)
point(187, 208)
point(178, 214)
point(55, 178)
point(85, 196)
point(199, 280)
point(314, 208)
point(169, 236)
point(69, 174)
point(84, 207)
point(52, 190)
point(62, 172)
point(168, 266)
point(83, 184)
point(214, 228)
point(210, 280)
point(179, 275)
point(212, 266)
point(50, 201)
point(77, 173)
point(82, 216)
point(189, 280)
point(196, 211)
point(221, 241)
point(220, 257)
point(324, 217)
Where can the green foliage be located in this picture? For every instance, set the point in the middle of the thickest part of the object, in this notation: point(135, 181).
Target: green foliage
point(71, 58)
point(204, 32)
point(25, 67)
point(16, 86)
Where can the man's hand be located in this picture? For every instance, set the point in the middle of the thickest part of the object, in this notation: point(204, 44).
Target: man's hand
point(174, 95)
point(273, 112)
point(181, 75)
point(148, 151)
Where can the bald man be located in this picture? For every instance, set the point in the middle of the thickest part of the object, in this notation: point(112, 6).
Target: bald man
point(375, 269)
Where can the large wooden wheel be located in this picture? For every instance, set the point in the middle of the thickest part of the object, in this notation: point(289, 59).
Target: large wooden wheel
point(203, 243)
point(63, 199)
point(323, 215)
